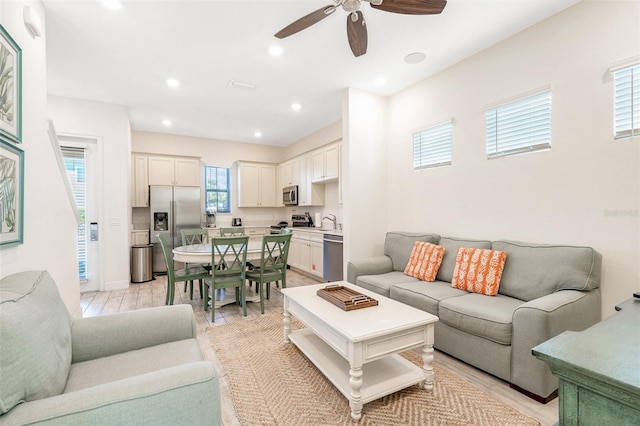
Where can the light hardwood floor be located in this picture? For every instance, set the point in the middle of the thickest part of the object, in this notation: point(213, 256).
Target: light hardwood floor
point(145, 295)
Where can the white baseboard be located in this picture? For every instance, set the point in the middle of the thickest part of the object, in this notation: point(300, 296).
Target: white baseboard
point(116, 285)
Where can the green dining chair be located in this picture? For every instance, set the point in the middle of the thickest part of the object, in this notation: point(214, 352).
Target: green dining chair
point(195, 236)
point(236, 231)
point(189, 273)
point(228, 268)
point(273, 264)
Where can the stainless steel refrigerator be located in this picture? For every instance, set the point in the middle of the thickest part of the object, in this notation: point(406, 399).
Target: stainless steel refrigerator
point(172, 208)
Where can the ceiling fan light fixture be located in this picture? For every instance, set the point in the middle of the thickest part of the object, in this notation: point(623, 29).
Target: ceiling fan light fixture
point(415, 58)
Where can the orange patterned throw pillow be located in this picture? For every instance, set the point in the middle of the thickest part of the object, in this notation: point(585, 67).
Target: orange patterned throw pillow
point(478, 270)
point(425, 261)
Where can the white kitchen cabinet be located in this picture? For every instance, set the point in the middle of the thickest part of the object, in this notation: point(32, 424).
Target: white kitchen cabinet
point(257, 185)
point(326, 167)
point(289, 173)
point(307, 252)
point(139, 237)
point(140, 185)
point(309, 193)
point(174, 171)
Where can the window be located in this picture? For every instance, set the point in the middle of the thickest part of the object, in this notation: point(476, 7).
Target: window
point(216, 187)
point(626, 120)
point(432, 146)
point(74, 162)
point(520, 126)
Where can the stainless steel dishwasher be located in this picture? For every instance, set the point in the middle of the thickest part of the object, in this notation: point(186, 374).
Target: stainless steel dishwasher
point(332, 257)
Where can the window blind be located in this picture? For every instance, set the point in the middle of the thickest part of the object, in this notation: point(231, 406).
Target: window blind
point(74, 161)
point(520, 126)
point(432, 146)
point(626, 101)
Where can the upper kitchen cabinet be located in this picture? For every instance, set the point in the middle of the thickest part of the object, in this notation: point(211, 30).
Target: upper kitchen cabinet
point(257, 185)
point(326, 163)
point(309, 193)
point(174, 171)
point(289, 173)
point(140, 192)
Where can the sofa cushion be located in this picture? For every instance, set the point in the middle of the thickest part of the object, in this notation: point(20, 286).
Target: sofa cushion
point(478, 270)
point(451, 245)
point(35, 331)
point(536, 270)
point(425, 261)
point(398, 246)
point(477, 314)
point(381, 283)
point(133, 363)
point(424, 296)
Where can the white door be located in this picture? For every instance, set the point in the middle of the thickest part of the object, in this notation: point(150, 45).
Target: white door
point(82, 159)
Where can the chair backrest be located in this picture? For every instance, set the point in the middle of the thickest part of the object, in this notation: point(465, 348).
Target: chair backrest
point(236, 231)
point(194, 236)
point(168, 259)
point(229, 256)
point(275, 250)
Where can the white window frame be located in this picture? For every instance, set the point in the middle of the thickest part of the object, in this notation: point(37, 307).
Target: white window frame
point(432, 145)
point(519, 125)
point(626, 100)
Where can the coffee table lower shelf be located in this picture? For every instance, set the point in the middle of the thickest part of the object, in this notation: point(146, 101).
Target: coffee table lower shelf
point(380, 377)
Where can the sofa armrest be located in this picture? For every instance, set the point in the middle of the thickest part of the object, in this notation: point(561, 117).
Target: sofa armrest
point(106, 335)
point(541, 319)
point(186, 394)
point(368, 266)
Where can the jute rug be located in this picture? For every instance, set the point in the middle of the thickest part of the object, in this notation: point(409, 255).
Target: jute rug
point(273, 383)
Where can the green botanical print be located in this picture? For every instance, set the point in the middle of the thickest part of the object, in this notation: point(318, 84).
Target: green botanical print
point(6, 85)
point(7, 194)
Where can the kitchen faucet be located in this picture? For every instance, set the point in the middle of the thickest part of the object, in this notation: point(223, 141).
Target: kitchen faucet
point(332, 219)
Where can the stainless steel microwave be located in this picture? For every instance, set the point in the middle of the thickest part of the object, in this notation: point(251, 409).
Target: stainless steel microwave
point(290, 195)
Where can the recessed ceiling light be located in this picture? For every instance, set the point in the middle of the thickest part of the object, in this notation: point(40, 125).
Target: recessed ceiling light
point(276, 50)
point(172, 82)
point(112, 4)
point(380, 81)
point(257, 134)
point(415, 58)
point(166, 122)
point(296, 106)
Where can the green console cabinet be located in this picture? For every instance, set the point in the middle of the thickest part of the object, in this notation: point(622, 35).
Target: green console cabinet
point(598, 369)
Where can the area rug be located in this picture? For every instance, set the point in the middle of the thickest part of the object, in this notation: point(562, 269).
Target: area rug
point(273, 383)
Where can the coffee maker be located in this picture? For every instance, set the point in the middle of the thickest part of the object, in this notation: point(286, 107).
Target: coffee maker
point(210, 213)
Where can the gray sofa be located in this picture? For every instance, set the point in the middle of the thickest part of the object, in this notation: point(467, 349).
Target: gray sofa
point(139, 367)
point(544, 290)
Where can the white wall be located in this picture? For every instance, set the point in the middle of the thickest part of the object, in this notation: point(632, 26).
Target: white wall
point(108, 123)
point(49, 223)
point(365, 171)
point(565, 195)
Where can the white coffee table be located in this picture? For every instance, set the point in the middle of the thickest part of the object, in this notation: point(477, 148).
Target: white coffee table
point(358, 350)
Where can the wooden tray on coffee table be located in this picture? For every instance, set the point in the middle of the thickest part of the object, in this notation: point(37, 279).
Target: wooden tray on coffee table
point(346, 298)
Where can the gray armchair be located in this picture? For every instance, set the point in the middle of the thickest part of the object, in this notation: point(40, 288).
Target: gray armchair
point(139, 367)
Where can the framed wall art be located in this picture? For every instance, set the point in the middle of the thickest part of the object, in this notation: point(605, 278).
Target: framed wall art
point(11, 194)
point(10, 87)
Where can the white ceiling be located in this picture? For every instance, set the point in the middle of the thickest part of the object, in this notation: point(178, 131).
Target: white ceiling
point(125, 56)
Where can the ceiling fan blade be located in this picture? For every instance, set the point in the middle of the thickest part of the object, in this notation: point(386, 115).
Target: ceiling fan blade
point(412, 7)
point(306, 21)
point(357, 34)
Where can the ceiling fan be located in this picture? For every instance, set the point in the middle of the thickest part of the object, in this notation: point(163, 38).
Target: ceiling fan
point(356, 26)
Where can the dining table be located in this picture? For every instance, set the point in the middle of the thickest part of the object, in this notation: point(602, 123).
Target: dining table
point(201, 253)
